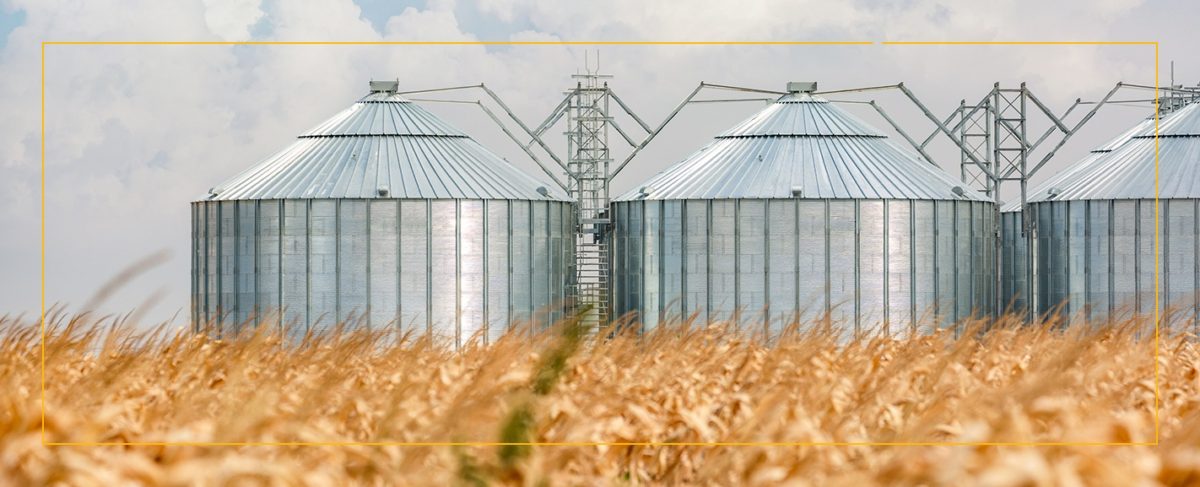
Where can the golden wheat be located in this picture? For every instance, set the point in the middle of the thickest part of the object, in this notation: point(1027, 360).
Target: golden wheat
point(681, 383)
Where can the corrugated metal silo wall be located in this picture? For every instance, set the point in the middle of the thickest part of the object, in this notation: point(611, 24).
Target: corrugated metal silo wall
point(902, 262)
point(1013, 293)
point(447, 267)
point(1096, 258)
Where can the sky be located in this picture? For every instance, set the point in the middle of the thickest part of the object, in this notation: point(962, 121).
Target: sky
point(134, 133)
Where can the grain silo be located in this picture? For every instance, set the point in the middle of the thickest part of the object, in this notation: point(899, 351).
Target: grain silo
point(799, 210)
point(383, 215)
point(1094, 248)
point(1013, 254)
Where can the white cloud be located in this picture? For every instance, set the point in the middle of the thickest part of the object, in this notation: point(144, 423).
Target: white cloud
point(231, 19)
point(135, 132)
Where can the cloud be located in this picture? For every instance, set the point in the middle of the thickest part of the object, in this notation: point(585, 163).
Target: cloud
point(135, 132)
point(231, 19)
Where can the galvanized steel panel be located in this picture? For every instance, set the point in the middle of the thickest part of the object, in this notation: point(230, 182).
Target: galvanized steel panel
point(722, 268)
point(782, 250)
point(415, 234)
point(925, 266)
point(443, 271)
point(802, 115)
point(196, 254)
point(1128, 172)
point(900, 266)
point(872, 307)
point(672, 258)
point(695, 257)
point(498, 275)
point(554, 285)
point(323, 265)
point(352, 263)
point(780, 247)
point(268, 275)
point(945, 253)
point(963, 262)
point(384, 114)
point(1076, 246)
point(1180, 265)
point(812, 262)
point(1146, 256)
point(471, 269)
point(808, 145)
point(540, 268)
point(441, 266)
point(227, 264)
point(750, 263)
point(384, 147)
point(1096, 258)
point(295, 267)
point(652, 269)
point(522, 261)
point(244, 254)
point(1124, 254)
point(212, 259)
point(384, 260)
point(1098, 238)
point(1013, 291)
point(843, 259)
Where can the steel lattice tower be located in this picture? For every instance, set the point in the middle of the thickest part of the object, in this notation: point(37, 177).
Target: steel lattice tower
point(588, 160)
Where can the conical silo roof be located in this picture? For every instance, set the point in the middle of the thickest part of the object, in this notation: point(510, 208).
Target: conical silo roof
point(1084, 165)
point(1128, 171)
point(801, 146)
point(385, 146)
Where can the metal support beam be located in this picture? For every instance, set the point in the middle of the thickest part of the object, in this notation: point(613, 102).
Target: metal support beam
point(523, 147)
point(1038, 103)
point(654, 134)
point(503, 128)
point(552, 118)
point(944, 130)
point(1088, 116)
point(913, 143)
point(732, 100)
point(521, 124)
point(625, 107)
point(859, 90)
point(535, 136)
point(739, 88)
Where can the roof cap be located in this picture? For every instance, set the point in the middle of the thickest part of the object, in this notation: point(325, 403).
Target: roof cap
point(801, 86)
point(385, 86)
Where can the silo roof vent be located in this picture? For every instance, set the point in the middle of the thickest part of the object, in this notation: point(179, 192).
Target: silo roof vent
point(801, 86)
point(385, 86)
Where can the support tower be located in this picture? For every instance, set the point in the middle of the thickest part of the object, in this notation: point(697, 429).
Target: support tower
point(588, 160)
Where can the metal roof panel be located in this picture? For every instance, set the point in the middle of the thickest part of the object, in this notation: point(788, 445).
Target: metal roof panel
point(385, 142)
point(805, 143)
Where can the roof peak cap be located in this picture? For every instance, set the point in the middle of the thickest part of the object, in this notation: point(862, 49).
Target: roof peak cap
point(385, 86)
point(801, 86)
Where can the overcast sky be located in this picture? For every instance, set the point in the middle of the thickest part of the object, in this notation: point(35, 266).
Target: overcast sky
point(134, 133)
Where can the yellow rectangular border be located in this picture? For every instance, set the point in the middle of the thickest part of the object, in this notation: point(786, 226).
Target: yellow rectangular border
point(1157, 250)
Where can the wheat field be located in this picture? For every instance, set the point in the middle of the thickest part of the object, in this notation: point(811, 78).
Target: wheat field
point(682, 383)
